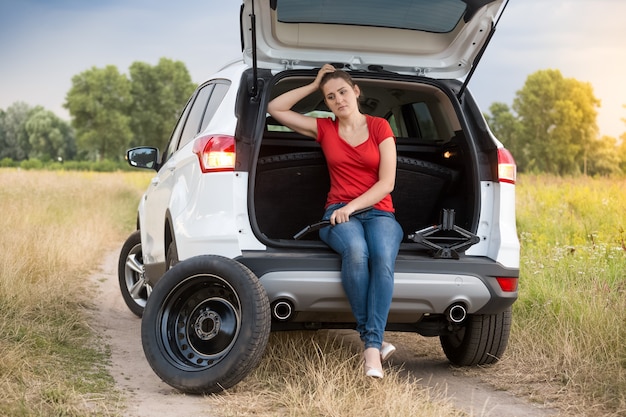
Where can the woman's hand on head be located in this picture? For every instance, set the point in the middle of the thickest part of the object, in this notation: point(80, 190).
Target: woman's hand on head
point(326, 68)
point(281, 107)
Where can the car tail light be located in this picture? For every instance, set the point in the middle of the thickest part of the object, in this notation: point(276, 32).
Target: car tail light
point(507, 170)
point(216, 153)
point(507, 284)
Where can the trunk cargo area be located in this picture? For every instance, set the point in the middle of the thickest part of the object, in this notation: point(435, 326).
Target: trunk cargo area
point(434, 164)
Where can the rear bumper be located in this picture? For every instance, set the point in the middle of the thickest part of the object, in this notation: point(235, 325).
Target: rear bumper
point(311, 283)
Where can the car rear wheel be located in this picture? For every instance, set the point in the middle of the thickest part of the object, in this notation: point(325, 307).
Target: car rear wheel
point(481, 341)
point(206, 324)
point(130, 272)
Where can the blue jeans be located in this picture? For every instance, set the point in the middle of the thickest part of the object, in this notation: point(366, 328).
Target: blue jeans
point(368, 245)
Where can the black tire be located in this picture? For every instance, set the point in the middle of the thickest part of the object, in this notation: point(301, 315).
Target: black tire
point(130, 273)
point(206, 324)
point(171, 257)
point(481, 341)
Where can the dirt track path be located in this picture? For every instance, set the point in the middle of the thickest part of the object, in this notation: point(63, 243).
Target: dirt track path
point(469, 393)
point(148, 396)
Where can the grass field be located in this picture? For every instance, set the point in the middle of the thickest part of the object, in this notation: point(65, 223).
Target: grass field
point(568, 342)
point(56, 227)
point(569, 324)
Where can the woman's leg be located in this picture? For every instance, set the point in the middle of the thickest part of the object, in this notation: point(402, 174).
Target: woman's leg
point(383, 235)
point(368, 245)
point(348, 240)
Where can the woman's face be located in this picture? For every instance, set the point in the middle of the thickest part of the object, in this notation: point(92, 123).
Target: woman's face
point(340, 97)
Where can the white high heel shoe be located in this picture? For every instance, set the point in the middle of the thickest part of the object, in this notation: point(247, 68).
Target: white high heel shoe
point(386, 350)
point(372, 371)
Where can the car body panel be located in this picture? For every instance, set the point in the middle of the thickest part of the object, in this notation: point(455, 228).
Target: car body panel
point(311, 282)
point(504, 244)
point(156, 201)
point(413, 292)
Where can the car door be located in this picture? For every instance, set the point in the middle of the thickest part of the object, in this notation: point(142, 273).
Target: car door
point(158, 197)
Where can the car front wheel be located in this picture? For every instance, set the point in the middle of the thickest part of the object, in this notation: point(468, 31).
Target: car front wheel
point(206, 324)
point(130, 272)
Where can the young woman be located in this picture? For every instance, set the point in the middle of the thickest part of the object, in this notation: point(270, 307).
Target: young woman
point(360, 152)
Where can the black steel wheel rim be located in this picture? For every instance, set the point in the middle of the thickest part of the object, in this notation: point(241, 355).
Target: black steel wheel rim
point(199, 322)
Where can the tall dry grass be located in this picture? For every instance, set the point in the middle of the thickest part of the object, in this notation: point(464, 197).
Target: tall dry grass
point(56, 226)
point(319, 374)
point(568, 341)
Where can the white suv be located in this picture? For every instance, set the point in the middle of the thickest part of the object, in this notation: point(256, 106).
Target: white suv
point(218, 260)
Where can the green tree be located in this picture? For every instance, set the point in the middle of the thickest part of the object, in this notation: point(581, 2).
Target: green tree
point(99, 102)
point(49, 136)
point(14, 138)
point(558, 118)
point(603, 157)
point(159, 94)
point(507, 128)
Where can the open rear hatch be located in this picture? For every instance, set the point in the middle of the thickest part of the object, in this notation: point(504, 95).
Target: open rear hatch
point(439, 39)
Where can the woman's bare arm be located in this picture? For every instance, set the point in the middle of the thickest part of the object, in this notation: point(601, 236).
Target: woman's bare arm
point(280, 107)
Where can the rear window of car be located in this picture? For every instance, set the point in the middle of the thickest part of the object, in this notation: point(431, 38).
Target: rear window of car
point(440, 16)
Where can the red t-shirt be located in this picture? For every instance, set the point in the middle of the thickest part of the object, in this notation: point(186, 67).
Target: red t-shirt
point(353, 169)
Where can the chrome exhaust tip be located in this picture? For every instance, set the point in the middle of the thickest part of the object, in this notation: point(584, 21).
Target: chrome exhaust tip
point(456, 313)
point(282, 310)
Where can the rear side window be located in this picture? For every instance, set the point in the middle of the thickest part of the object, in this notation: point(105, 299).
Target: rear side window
point(394, 125)
point(204, 107)
point(214, 102)
point(416, 121)
point(173, 143)
point(425, 121)
point(439, 16)
point(192, 125)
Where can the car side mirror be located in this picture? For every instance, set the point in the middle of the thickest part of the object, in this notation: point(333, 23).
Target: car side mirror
point(143, 157)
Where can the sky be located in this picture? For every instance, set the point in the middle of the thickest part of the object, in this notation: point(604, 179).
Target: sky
point(44, 43)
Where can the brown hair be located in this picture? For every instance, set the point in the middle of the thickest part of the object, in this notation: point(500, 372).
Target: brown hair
point(336, 74)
